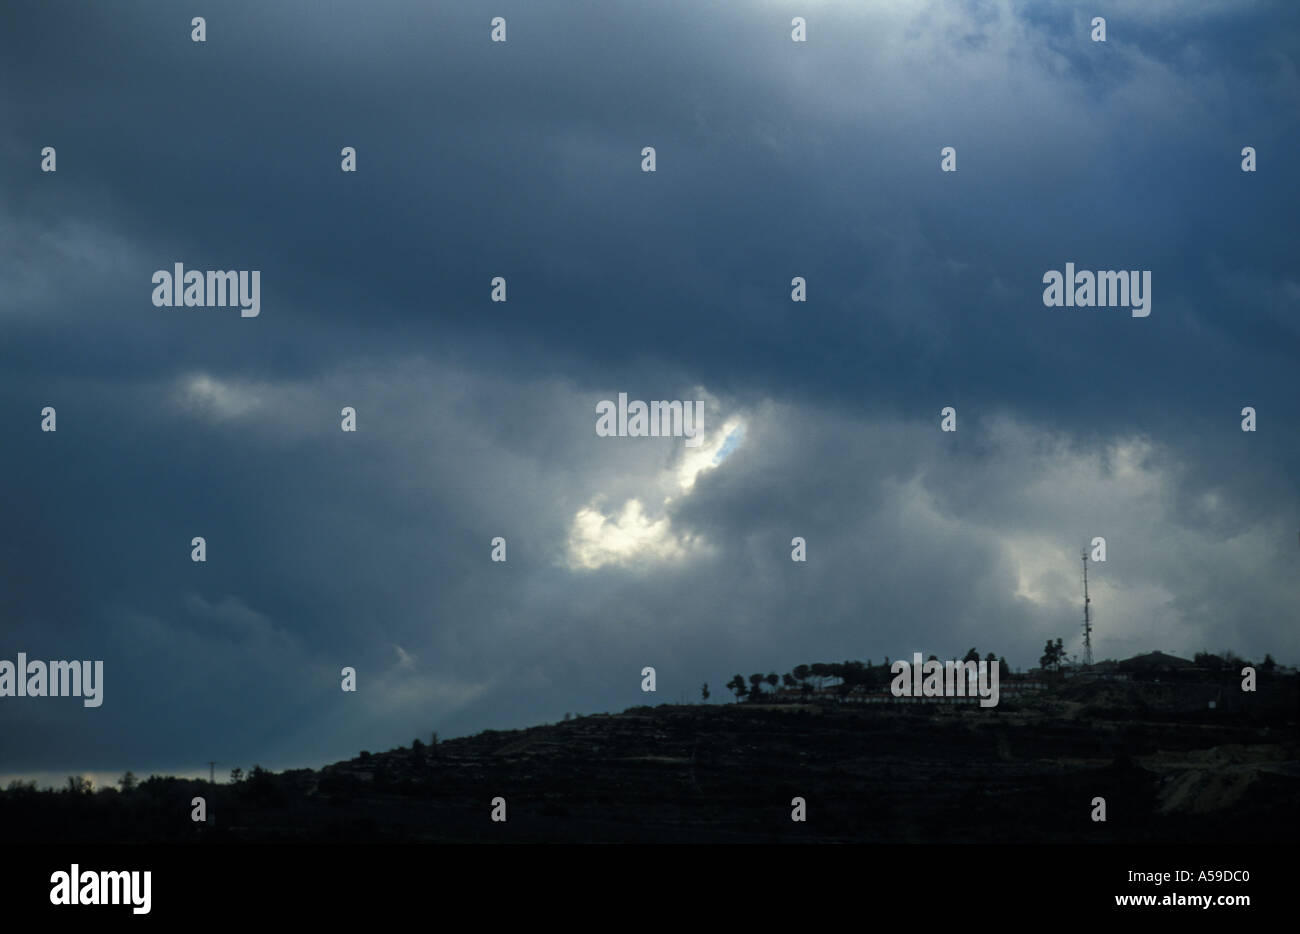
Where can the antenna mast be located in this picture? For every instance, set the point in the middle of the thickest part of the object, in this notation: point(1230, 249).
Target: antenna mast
point(1087, 616)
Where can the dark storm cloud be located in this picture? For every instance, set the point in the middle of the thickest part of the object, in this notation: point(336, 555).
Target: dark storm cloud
point(522, 160)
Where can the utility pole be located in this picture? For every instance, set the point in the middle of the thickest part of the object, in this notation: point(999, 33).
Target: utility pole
point(1087, 615)
point(212, 772)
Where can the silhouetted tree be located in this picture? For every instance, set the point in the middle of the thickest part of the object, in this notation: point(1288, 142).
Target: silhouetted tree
point(853, 676)
point(127, 782)
point(971, 655)
point(1004, 670)
point(737, 686)
point(261, 787)
point(802, 673)
point(236, 775)
point(1053, 655)
point(704, 692)
point(1268, 664)
point(756, 685)
point(773, 680)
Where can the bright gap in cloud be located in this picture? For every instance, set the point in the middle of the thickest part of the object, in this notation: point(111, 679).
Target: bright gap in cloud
point(630, 535)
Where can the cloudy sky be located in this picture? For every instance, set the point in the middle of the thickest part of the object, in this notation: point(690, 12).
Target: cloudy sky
point(475, 419)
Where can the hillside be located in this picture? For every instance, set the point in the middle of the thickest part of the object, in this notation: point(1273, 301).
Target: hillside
point(918, 773)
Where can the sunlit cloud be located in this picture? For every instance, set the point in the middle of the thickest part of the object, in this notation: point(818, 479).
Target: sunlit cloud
point(628, 534)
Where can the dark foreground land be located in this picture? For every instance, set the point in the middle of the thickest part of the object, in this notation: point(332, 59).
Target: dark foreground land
point(1019, 773)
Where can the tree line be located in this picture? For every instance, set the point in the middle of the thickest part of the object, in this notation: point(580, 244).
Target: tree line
point(849, 677)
